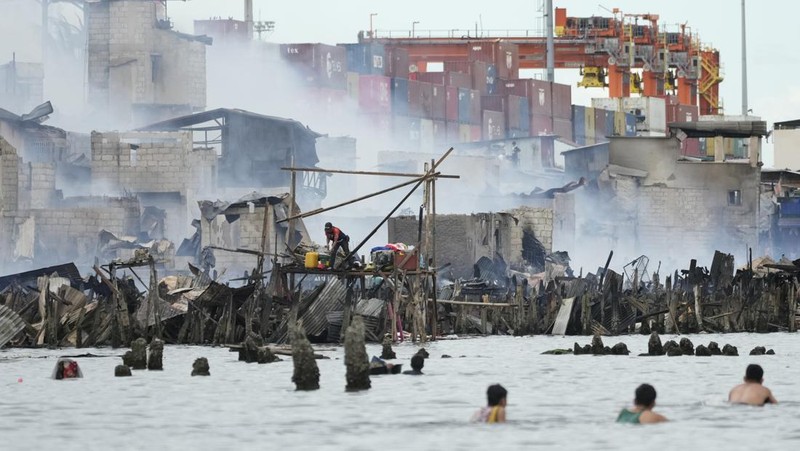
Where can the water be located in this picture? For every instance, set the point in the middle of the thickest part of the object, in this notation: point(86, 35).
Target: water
point(564, 402)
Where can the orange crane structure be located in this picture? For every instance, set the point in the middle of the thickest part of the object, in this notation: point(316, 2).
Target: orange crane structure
point(606, 50)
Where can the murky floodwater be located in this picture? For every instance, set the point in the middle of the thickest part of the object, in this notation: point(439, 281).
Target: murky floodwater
point(555, 402)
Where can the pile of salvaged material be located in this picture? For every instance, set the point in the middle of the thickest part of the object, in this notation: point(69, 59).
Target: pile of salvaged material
point(760, 297)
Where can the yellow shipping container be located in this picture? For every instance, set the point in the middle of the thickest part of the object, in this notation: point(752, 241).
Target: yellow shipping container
point(589, 130)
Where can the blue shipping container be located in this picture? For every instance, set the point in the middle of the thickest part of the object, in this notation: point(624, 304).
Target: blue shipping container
point(366, 59)
point(579, 124)
point(400, 96)
point(514, 133)
point(464, 105)
point(609, 131)
point(525, 115)
point(630, 124)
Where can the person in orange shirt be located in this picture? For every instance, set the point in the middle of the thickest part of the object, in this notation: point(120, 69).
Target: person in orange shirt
point(336, 239)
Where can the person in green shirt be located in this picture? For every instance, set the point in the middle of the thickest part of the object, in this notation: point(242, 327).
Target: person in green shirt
point(642, 410)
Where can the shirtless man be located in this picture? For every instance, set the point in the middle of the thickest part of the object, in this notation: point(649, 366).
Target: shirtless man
point(642, 410)
point(752, 392)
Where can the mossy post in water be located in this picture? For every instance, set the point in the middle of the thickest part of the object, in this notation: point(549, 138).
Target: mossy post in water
point(355, 356)
point(388, 353)
point(136, 358)
point(306, 372)
point(122, 371)
point(155, 361)
point(200, 367)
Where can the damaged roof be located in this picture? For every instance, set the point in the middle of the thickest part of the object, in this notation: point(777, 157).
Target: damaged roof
point(68, 270)
point(180, 122)
point(728, 129)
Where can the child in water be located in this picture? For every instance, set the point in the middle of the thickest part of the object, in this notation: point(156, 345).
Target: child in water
point(495, 411)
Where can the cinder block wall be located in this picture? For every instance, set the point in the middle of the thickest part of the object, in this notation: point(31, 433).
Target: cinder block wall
point(9, 177)
point(42, 184)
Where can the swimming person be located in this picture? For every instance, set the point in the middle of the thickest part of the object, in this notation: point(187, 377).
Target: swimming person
point(752, 391)
point(417, 362)
point(495, 411)
point(66, 369)
point(642, 411)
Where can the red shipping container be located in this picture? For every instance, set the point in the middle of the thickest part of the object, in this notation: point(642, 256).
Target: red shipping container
point(426, 100)
point(517, 87)
point(503, 54)
point(541, 125)
point(669, 99)
point(457, 66)
point(457, 79)
point(691, 147)
point(414, 98)
point(513, 119)
point(475, 133)
point(541, 98)
point(397, 65)
point(475, 116)
point(562, 101)
point(672, 113)
point(439, 102)
point(374, 93)
point(687, 113)
point(563, 128)
point(440, 133)
point(319, 64)
point(452, 132)
point(495, 103)
point(494, 125)
point(451, 104)
point(480, 75)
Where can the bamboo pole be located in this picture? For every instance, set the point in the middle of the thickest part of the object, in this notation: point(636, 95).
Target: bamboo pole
point(387, 174)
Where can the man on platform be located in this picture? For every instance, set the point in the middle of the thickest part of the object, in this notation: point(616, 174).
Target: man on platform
point(336, 239)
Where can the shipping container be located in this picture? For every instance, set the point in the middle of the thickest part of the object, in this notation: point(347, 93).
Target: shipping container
point(579, 124)
point(600, 123)
point(524, 115)
point(406, 131)
point(415, 98)
point(366, 58)
point(513, 133)
point(426, 135)
point(630, 124)
point(457, 79)
point(563, 128)
point(397, 62)
point(611, 104)
point(475, 132)
point(541, 125)
point(374, 93)
point(513, 111)
point(589, 124)
point(439, 134)
point(480, 77)
point(691, 147)
point(517, 87)
point(687, 113)
point(318, 64)
point(453, 132)
point(439, 102)
point(464, 133)
point(651, 110)
point(491, 79)
point(464, 105)
point(352, 85)
point(541, 97)
point(610, 122)
point(619, 123)
point(457, 66)
point(494, 125)
point(379, 124)
point(426, 100)
point(562, 101)
point(475, 116)
point(669, 99)
point(494, 103)
point(503, 54)
point(451, 103)
point(400, 96)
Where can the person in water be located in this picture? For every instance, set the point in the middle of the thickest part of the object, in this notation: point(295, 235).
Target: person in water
point(495, 411)
point(67, 369)
point(752, 391)
point(417, 362)
point(642, 410)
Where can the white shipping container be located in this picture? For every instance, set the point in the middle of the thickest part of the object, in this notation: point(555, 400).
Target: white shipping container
point(653, 109)
point(426, 134)
point(606, 103)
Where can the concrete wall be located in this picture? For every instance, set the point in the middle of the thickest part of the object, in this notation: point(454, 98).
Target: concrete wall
point(244, 233)
point(786, 149)
point(9, 177)
point(132, 62)
point(42, 187)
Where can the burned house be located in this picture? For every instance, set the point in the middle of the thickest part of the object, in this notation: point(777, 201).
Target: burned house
point(644, 197)
point(252, 148)
point(21, 85)
point(139, 69)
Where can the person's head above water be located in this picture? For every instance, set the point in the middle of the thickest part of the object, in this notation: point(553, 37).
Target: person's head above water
point(496, 394)
point(754, 373)
point(645, 396)
point(417, 362)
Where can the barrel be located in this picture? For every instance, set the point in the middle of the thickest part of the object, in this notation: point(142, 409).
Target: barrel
point(312, 259)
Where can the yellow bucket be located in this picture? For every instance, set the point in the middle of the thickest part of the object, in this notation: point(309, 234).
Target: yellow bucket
point(312, 259)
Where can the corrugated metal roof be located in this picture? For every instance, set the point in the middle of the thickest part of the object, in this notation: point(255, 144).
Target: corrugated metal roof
point(68, 270)
point(330, 299)
point(370, 307)
point(10, 325)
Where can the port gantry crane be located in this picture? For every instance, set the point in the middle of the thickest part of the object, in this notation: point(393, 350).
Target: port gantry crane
point(605, 49)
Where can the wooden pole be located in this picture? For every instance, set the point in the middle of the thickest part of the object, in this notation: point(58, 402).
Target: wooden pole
point(388, 174)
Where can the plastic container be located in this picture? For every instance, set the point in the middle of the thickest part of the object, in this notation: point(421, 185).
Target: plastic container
point(312, 259)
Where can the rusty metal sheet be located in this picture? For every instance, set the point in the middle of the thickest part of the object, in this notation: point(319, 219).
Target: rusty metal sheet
point(10, 325)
